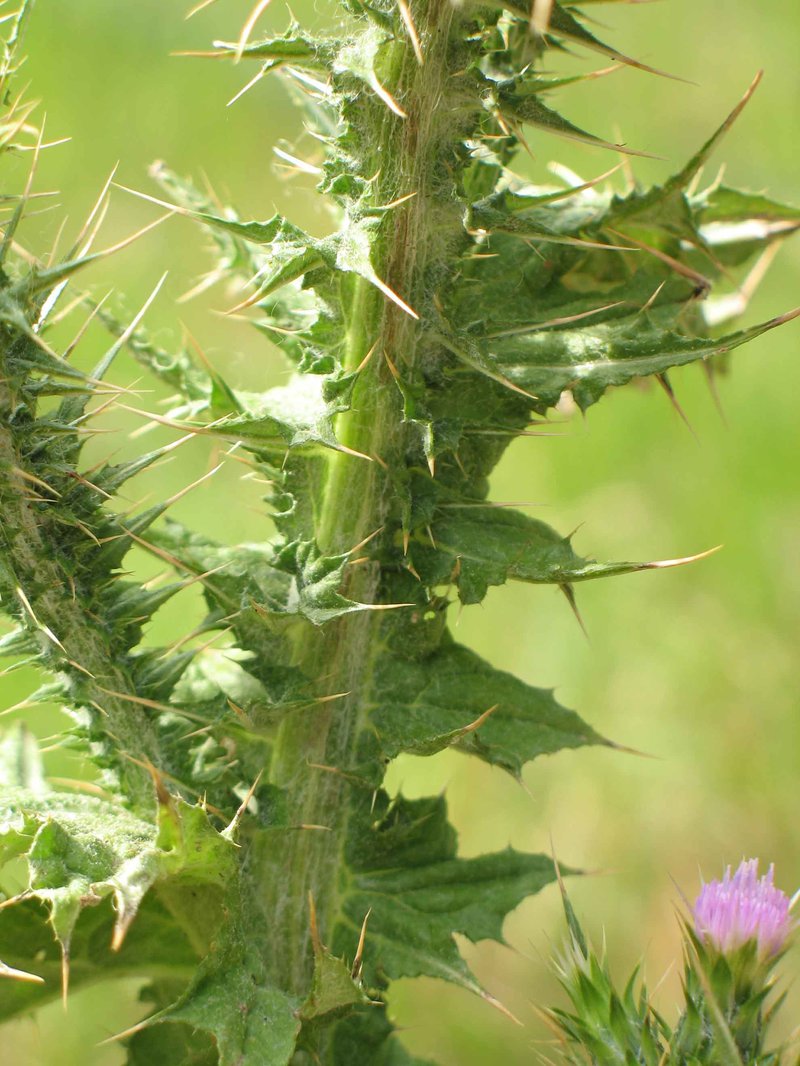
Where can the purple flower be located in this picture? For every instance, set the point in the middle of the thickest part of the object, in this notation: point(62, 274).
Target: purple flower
point(743, 907)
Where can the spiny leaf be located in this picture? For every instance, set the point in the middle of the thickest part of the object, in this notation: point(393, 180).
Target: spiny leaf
point(80, 849)
point(530, 110)
point(250, 1020)
point(587, 361)
point(475, 544)
point(422, 706)
point(368, 1036)
point(294, 47)
point(403, 868)
point(154, 943)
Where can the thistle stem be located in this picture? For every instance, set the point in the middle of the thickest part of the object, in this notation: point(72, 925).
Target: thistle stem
point(358, 499)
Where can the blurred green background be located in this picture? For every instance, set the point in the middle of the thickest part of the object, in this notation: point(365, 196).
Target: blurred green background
point(697, 668)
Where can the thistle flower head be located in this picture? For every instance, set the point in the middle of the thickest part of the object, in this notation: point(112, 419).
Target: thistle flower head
point(743, 907)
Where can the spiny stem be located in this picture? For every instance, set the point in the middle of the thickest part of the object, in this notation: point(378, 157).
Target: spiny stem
point(358, 498)
point(71, 640)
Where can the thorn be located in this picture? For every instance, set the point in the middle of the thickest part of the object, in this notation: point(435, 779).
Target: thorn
point(540, 16)
point(481, 367)
point(126, 334)
point(79, 335)
point(391, 295)
point(612, 53)
point(64, 974)
point(665, 564)
point(183, 492)
point(408, 22)
point(19, 975)
point(299, 164)
point(230, 830)
point(392, 368)
point(145, 1023)
point(562, 321)
point(385, 96)
point(493, 1002)
point(361, 366)
point(200, 7)
point(701, 281)
point(569, 593)
point(736, 304)
point(241, 714)
point(248, 28)
point(652, 299)
point(16, 899)
point(81, 786)
point(664, 382)
point(154, 705)
point(253, 81)
point(396, 203)
point(134, 236)
point(711, 380)
point(88, 230)
point(35, 481)
point(576, 186)
point(479, 720)
point(432, 465)
point(39, 625)
point(366, 540)
point(412, 570)
point(316, 943)
point(15, 219)
point(355, 972)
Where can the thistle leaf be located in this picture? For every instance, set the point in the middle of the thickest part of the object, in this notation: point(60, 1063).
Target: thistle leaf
point(154, 944)
point(404, 871)
point(422, 706)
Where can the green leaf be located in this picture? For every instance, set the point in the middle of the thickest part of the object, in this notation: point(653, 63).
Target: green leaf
point(289, 416)
point(669, 200)
point(251, 1021)
point(721, 203)
point(365, 58)
point(81, 849)
point(527, 108)
point(171, 1045)
point(333, 990)
point(588, 361)
point(368, 1037)
point(354, 255)
point(421, 706)
point(404, 872)
point(293, 47)
point(155, 943)
point(316, 579)
point(563, 24)
point(475, 544)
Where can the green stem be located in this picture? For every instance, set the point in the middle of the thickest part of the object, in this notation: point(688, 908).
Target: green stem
point(358, 499)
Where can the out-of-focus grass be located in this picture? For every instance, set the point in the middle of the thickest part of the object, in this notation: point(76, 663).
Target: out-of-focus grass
point(697, 667)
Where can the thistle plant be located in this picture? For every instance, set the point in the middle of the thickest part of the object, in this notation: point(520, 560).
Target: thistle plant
point(241, 854)
point(737, 934)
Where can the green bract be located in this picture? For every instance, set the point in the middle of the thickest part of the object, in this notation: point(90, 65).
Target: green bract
point(270, 889)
